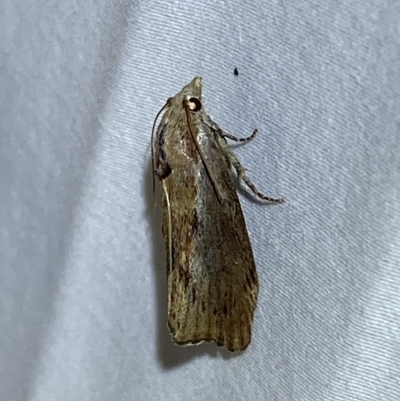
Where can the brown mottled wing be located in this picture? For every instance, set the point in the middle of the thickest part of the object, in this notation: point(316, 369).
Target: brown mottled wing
point(212, 280)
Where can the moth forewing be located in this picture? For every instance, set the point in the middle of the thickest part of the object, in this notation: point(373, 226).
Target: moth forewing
point(212, 279)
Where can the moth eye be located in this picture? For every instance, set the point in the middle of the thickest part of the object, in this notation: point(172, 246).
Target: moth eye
point(194, 104)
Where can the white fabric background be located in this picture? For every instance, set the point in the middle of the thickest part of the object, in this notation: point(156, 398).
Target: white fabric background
point(82, 277)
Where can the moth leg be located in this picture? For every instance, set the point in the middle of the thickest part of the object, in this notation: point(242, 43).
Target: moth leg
point(237, 139)
point(215, 127)
point(241, 173)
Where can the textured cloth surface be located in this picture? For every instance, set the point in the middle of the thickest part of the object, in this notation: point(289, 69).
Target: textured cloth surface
point(82, 273)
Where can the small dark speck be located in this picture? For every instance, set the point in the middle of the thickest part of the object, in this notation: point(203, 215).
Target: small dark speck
point(236, 72)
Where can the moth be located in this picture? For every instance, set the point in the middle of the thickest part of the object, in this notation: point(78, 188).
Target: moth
point(212, 278)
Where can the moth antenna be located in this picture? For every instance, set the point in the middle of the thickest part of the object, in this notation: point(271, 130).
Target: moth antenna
point(203, 158)
point(152, 141)
point(169, 227)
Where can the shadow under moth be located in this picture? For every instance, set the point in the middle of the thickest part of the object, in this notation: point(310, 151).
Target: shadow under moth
point(212, 278)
